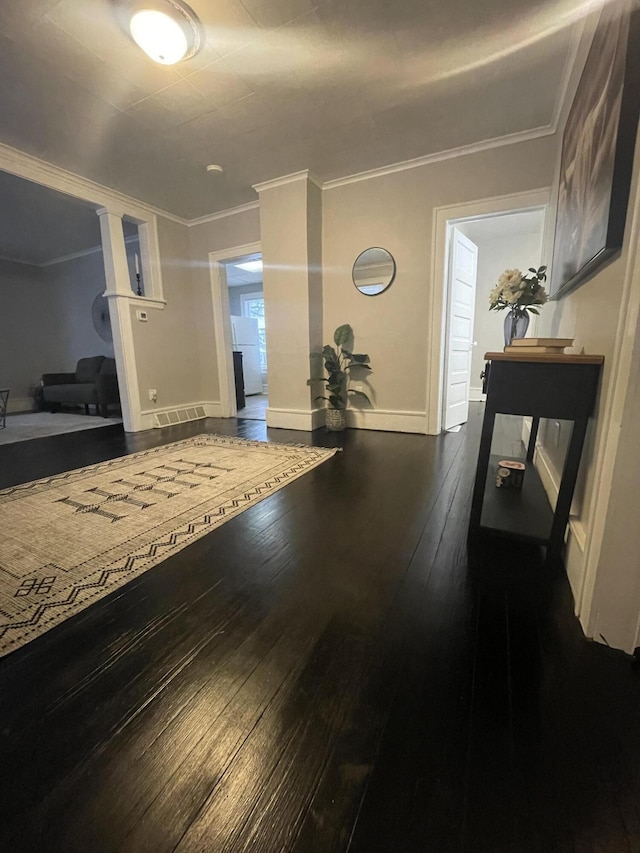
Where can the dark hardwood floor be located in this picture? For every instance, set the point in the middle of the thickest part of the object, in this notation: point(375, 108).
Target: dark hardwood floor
point(326, 672)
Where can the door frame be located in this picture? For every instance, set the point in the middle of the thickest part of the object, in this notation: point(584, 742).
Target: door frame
point(444, 219)
point(222, 322)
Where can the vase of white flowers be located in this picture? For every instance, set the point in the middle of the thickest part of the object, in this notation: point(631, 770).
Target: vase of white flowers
point(520, 293)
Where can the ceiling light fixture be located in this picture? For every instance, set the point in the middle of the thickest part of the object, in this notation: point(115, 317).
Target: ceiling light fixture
point(167, 30)
point(213, 167)
point(250, 266)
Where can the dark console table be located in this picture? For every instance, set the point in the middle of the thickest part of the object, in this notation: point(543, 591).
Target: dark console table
point(563, 387)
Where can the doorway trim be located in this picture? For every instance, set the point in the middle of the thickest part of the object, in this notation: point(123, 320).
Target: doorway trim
point(444, 218)
point(222, 322)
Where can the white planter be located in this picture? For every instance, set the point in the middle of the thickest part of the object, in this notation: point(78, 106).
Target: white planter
point(335, 419)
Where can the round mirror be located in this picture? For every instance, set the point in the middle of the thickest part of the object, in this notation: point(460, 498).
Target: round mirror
point(374, 271)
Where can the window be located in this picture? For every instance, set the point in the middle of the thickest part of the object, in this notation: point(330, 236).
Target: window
point(253, 306)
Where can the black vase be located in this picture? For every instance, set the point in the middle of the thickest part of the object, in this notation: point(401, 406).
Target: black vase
point(516, 324)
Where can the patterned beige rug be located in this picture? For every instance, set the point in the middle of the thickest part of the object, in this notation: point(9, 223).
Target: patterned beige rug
point(69, 540)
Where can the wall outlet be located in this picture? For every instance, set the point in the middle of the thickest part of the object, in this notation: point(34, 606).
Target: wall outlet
point(153, 395)
point(556, 433)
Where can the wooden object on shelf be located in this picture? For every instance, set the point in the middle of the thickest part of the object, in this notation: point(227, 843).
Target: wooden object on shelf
point(542, 342)
point(530, 350)
point(562, 387)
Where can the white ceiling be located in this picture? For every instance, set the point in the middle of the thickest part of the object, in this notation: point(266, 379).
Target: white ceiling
point(334, 86)
point(505, 226)
point(237, 277)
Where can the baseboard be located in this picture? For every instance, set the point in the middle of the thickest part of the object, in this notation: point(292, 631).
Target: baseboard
point(305, 420)
point(376, 419)
point(476, 395)
point(19, 404)
point(548, 475)
point(388, 420)
point(213, 410)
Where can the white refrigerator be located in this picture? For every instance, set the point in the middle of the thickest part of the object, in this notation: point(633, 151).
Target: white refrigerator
point(245, 340)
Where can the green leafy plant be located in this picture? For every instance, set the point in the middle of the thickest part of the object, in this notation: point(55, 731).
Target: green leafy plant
point(339, 362)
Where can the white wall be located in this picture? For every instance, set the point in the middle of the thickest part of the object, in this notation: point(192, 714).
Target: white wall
point(495, 255)
point(396, 211)
point(604, 572)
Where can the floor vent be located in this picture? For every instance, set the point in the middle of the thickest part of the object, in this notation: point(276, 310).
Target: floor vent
point(179, 416)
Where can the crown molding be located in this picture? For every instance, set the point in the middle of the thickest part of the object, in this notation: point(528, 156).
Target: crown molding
point(56, 178)
point(5, 259)
point(439, 156)
point(72, 256)
point(305, 175)
point(222, 214)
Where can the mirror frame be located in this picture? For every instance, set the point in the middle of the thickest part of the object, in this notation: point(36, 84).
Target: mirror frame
point(393, 274)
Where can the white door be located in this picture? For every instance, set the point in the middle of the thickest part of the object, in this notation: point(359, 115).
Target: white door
point(463, 263)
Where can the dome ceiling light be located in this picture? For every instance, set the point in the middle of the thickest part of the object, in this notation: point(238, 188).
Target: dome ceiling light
point(167, 30)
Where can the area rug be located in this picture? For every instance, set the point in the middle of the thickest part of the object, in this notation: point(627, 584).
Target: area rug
point(23, 427)
point(69, 540)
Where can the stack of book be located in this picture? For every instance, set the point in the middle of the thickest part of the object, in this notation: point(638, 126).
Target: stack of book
point(531, 346)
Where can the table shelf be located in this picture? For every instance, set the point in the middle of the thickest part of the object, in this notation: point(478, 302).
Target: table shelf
point(523, 514)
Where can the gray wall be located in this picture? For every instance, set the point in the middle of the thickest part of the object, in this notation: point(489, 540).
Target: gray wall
point(235, 294)
point(29, 316)
point(46, 321)
point(74, 285)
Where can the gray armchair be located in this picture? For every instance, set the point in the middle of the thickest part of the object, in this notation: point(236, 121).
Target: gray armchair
point(94, 383)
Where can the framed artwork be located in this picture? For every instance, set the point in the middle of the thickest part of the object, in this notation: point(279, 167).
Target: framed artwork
point(597, 152)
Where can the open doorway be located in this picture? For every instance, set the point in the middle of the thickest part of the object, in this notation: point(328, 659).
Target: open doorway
point(479, 250)
point(248, 334)
point(56, 324)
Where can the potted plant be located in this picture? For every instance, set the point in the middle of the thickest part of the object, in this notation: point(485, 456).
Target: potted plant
point(339, 361)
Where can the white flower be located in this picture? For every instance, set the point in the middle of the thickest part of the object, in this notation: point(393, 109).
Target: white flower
point(517, 290)
point(510, 278)
point(495, 294)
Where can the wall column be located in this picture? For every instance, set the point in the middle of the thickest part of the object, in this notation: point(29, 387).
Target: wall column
point(291, 234)
point(119, 293)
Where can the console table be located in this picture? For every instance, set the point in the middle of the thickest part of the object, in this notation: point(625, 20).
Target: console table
point(4, 401)
point(562, 387)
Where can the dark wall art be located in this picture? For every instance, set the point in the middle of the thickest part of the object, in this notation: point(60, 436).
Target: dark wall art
point(597, 152)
